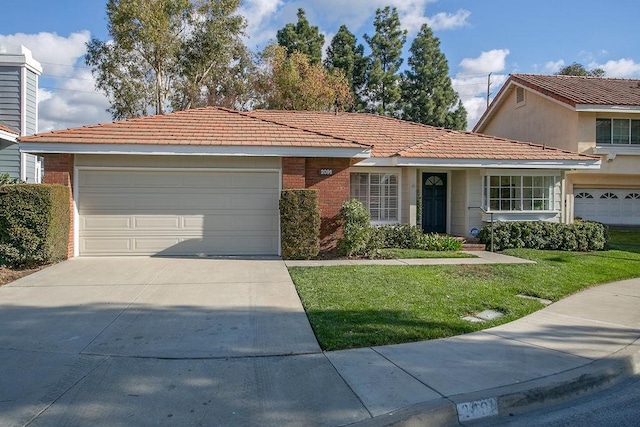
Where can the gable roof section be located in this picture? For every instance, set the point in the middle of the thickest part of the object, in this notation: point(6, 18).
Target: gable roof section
point(407, 140)
point(576, 92)
point(200, 126)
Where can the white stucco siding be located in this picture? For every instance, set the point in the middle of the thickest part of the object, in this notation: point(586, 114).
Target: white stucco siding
point(538, 119)
point(459, 208)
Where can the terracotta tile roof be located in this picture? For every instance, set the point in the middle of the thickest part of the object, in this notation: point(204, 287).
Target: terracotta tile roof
point(387, 137)
point(202, 126)
point(8, 129)
point(397, 138)
point(575, 90)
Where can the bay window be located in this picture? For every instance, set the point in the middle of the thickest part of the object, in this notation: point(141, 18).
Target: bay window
point(378, 192)
point(519, 193)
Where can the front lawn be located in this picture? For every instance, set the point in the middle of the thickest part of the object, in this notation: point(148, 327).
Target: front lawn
point(625, 238)
point(359, 306)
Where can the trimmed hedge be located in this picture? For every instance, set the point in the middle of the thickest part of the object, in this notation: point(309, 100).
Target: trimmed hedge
point(362, 239)
point(580, 236)
point(34, 224)
point(299, 224)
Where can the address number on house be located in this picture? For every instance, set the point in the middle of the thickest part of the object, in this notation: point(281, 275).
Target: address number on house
point(326, 171)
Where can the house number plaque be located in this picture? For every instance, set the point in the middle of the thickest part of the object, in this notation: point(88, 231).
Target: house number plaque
point(326, 171)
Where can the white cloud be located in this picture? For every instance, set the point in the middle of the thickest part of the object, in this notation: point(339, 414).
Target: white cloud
point(471, 81)
point(259, 15)
point(553, 66)
point(74, 102)
point(625, 67)
point(488, 62)
point(57, 54)
point(67, 94)
point(449, 21)
point(265, 17)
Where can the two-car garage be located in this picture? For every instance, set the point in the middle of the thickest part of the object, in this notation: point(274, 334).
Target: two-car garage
point(185, 209)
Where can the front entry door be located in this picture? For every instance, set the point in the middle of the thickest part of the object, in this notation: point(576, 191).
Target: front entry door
point(434, 202)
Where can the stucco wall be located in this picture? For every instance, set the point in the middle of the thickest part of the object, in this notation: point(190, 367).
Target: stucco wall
point(538, 120)
point(459, 206)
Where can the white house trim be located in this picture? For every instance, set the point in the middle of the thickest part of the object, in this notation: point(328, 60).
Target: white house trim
point(593, 164)
point(194, 150)
point(588, 108)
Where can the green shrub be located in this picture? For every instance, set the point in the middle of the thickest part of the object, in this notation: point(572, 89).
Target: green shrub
point(34, 224)
point(437, 242)
point(362, 239)
point(579, 236)
point(5, 179)
point(357, 232)
point(299, 224)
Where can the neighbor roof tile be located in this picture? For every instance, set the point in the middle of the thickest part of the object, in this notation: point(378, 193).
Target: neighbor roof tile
point(576, 90)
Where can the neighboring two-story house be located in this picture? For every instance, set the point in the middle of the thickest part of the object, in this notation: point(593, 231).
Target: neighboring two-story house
point(19, 74)
point(596, 116)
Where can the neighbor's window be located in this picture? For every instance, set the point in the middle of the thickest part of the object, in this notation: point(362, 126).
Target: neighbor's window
point(617, 131)
point(519, 193)
point(378, 192)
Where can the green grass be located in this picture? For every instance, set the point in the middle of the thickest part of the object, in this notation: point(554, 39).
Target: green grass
point(417, 253)
point(628, 237)
point(359, 306)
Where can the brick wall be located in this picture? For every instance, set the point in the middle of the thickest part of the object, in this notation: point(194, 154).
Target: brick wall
point(58, 169)
point(333, 192)
point(293, 173)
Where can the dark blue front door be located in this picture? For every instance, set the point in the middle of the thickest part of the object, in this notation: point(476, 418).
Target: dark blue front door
point(434, 202)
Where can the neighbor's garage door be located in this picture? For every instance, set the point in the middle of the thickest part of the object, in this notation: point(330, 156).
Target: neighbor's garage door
point(165, 212)
point(609, 206)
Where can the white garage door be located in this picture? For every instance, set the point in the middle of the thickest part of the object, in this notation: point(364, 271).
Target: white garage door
point(609, 206)
point(178, 212)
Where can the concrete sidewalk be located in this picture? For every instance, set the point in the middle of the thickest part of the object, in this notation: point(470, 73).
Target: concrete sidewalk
point(99, 376)
point(575, 346)
point(481, 257)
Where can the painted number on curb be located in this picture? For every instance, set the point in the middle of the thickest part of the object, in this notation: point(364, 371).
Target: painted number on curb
point(477, 409)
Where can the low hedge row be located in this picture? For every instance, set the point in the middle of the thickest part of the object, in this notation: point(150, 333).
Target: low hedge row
point(34, 224)
point(362, 239)
point(299, 224)
point(579, 236)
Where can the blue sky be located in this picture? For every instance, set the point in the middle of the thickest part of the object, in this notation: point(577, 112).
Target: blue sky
point(478, 38)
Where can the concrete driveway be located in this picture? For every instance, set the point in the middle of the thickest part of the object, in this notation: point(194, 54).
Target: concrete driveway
point(163, 341)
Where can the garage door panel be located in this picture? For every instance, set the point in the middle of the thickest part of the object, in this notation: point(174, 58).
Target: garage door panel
point(178, 213)
point(607, 205)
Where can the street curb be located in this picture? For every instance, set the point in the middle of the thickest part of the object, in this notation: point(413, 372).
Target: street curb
point(517, 398)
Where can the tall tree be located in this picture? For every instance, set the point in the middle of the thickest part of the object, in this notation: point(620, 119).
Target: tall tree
point(383, 80)
point(165, 53)
point(302, 37)
point(213, 63)
point(576, 69)
point(293, 82)
point(346, 55)
point(427, 93)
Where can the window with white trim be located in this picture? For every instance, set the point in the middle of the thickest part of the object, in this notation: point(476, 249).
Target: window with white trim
point(378, 192)
point(519, 193)
point(617, 131)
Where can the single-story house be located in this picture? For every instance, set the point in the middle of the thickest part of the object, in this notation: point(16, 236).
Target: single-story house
point(588, 115)
point(207, 181)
